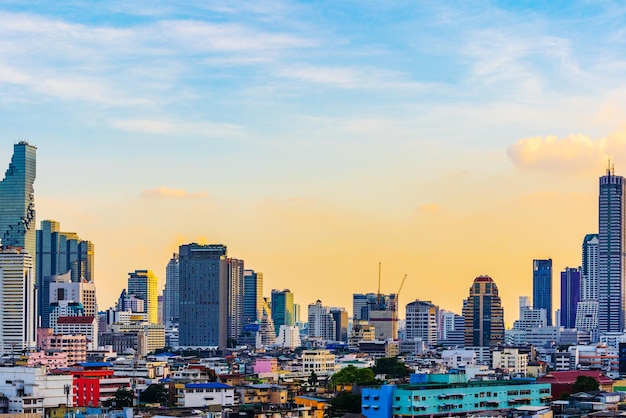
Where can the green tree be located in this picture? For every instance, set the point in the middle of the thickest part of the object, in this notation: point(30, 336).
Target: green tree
point(313, 379)
point(155, 393)
point(353, 375)
point(345, 402)
point(585, 384)
point(121, 398)
point(391, 367)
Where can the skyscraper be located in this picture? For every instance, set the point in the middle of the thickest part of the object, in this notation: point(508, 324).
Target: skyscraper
point(282, 308)
point(484, 315)
point(203, 295)
point(252, 296)
point(611, 253)
point(17, 300)
point(421, 321)
point(589, 268)
point(143, 284)
point(542, 287)
point(59, 253)
point(171, 293)
point(235, 297)
point(321, 322)
point(17, 200)
point(570, 296)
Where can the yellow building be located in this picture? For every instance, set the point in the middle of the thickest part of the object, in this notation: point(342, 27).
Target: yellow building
point(143, 284)
point(317, 405)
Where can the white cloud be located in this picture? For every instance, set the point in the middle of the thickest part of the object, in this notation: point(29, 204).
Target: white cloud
point(179, 128)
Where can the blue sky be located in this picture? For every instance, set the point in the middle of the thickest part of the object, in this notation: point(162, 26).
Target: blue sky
point(222, 120)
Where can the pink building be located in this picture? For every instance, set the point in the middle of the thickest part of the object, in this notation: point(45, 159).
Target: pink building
point(266, 365)
point(74, 345)
point(51, 359)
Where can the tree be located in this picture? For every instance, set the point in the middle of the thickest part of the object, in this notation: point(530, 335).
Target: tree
point(345, 402)
point(313, 379)
point(155, 393)
point(390, 366)
point(121, 398)
point(585, 384)
point(352, 375)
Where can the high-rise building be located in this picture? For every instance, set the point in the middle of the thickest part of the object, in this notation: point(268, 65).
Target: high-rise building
point(143, 284)
point(421, 321)
point(589, 268)
point(235, 297)
point(542, 287)
point(282, 308)
point(203, 295)
point(252, 296)
point(570, 296)
point(360, 305)
point(340, 316)
point(484, 315)
point(17, 300)
point(611, 253)
point(321, 322)
point(17, 200)
point(83, 292)
point(58, 253)
point(171, 301)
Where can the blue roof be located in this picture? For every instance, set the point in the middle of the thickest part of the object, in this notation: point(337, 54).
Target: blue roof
point(96, 364)
point(211, 385)
point(164, 355)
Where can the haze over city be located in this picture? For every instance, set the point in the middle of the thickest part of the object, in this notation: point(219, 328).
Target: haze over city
point(316, 140)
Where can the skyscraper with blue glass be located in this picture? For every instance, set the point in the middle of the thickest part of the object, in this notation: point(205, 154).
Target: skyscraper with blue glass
point(542, 287)
point(17, 200)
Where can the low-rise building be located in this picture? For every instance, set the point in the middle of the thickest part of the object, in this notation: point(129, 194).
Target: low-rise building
point(199, 395)
point(318, 361)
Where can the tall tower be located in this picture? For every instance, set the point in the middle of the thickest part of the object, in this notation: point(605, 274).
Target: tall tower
point(484, 315)
point(203, 295)
point(589, 268)
point(235, 297)
point(171, 300)
point(252, 296)
point(282, 308)
point(421, 321)
point(17, 300)
point(570, 296)
point(611, 253)
point(143, 284)
point(542, 287)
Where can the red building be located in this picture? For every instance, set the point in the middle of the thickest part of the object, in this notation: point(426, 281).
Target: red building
point(563, 381)
point(94, 383)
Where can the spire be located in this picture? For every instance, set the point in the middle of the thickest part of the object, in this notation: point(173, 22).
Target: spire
point(610, 168)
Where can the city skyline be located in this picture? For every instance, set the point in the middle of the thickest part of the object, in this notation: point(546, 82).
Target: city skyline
point(315, 140)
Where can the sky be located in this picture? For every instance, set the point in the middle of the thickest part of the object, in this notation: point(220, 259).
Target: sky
point(445, 140)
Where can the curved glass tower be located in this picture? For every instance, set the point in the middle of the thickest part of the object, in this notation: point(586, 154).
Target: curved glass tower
point(17, 200)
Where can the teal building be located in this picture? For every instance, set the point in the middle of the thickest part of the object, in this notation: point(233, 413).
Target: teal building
point(432, 394)
point(282, 308)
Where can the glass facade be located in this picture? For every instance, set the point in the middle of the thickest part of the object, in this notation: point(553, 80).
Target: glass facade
point(172, 291)
point(282, 308)
point(542, 287)
point(143, 284)
point(203, 295)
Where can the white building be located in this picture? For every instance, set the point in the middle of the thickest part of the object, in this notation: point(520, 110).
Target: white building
point(530, 318)
point(587, 316)
point(288, 337)
point(84, 292)
point(318, 361)
point(79, 325)
point(321, 322)
point(510, 359)
point(612, 339)
point(32, 390)
point(17, 300)
point(421, 321)
point(455, 359)
point(199, 395)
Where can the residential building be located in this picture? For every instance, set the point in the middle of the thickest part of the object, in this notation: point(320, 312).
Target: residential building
point(60, 253)
point(31, 390)
point(484, 315)
point(511, 360)
point(611, 253)
point(201, 395)
point(62, 288)
point(361, 331)
point(17, 297)
point(421, 321)
point(235, 271)
point(318, 361)
point(321, 322)
point(95, 383)
point(589, 268)
point(203, 295)
point(79, 325)
point(531, 318)
point(456, 359)
point(282, 308)
point(171, 293)
point(542, 287)
point(74, 345)
point(570, 296)
point(143, 284)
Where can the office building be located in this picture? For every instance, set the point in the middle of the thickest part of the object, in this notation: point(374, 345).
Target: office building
point(542, 287)
point(484, 315)
point(61, 288)
point(421, 321)
point(143, 284)
point(589, 268)
point(252, 296)
point(340, 316)
point(234, 270)
point(203, 295)
point(17, 300)
point(171, 292)
point(17, 201)
point(321, 322)
point(611, 253)
point(60, 253)
point(361, 304)
point(570, 296)
point(282, 308)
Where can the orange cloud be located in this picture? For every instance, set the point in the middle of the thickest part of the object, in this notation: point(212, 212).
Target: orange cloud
point(165, 192)
point(429, 208)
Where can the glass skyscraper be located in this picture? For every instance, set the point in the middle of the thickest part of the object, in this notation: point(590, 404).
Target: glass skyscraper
point(282, 308)
point(542, 287)
point(611, 253)
point(570, 296)
point(143, 284)
point(171, 299)
point(252, 296)
point(203, 295)
point(17, 200)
